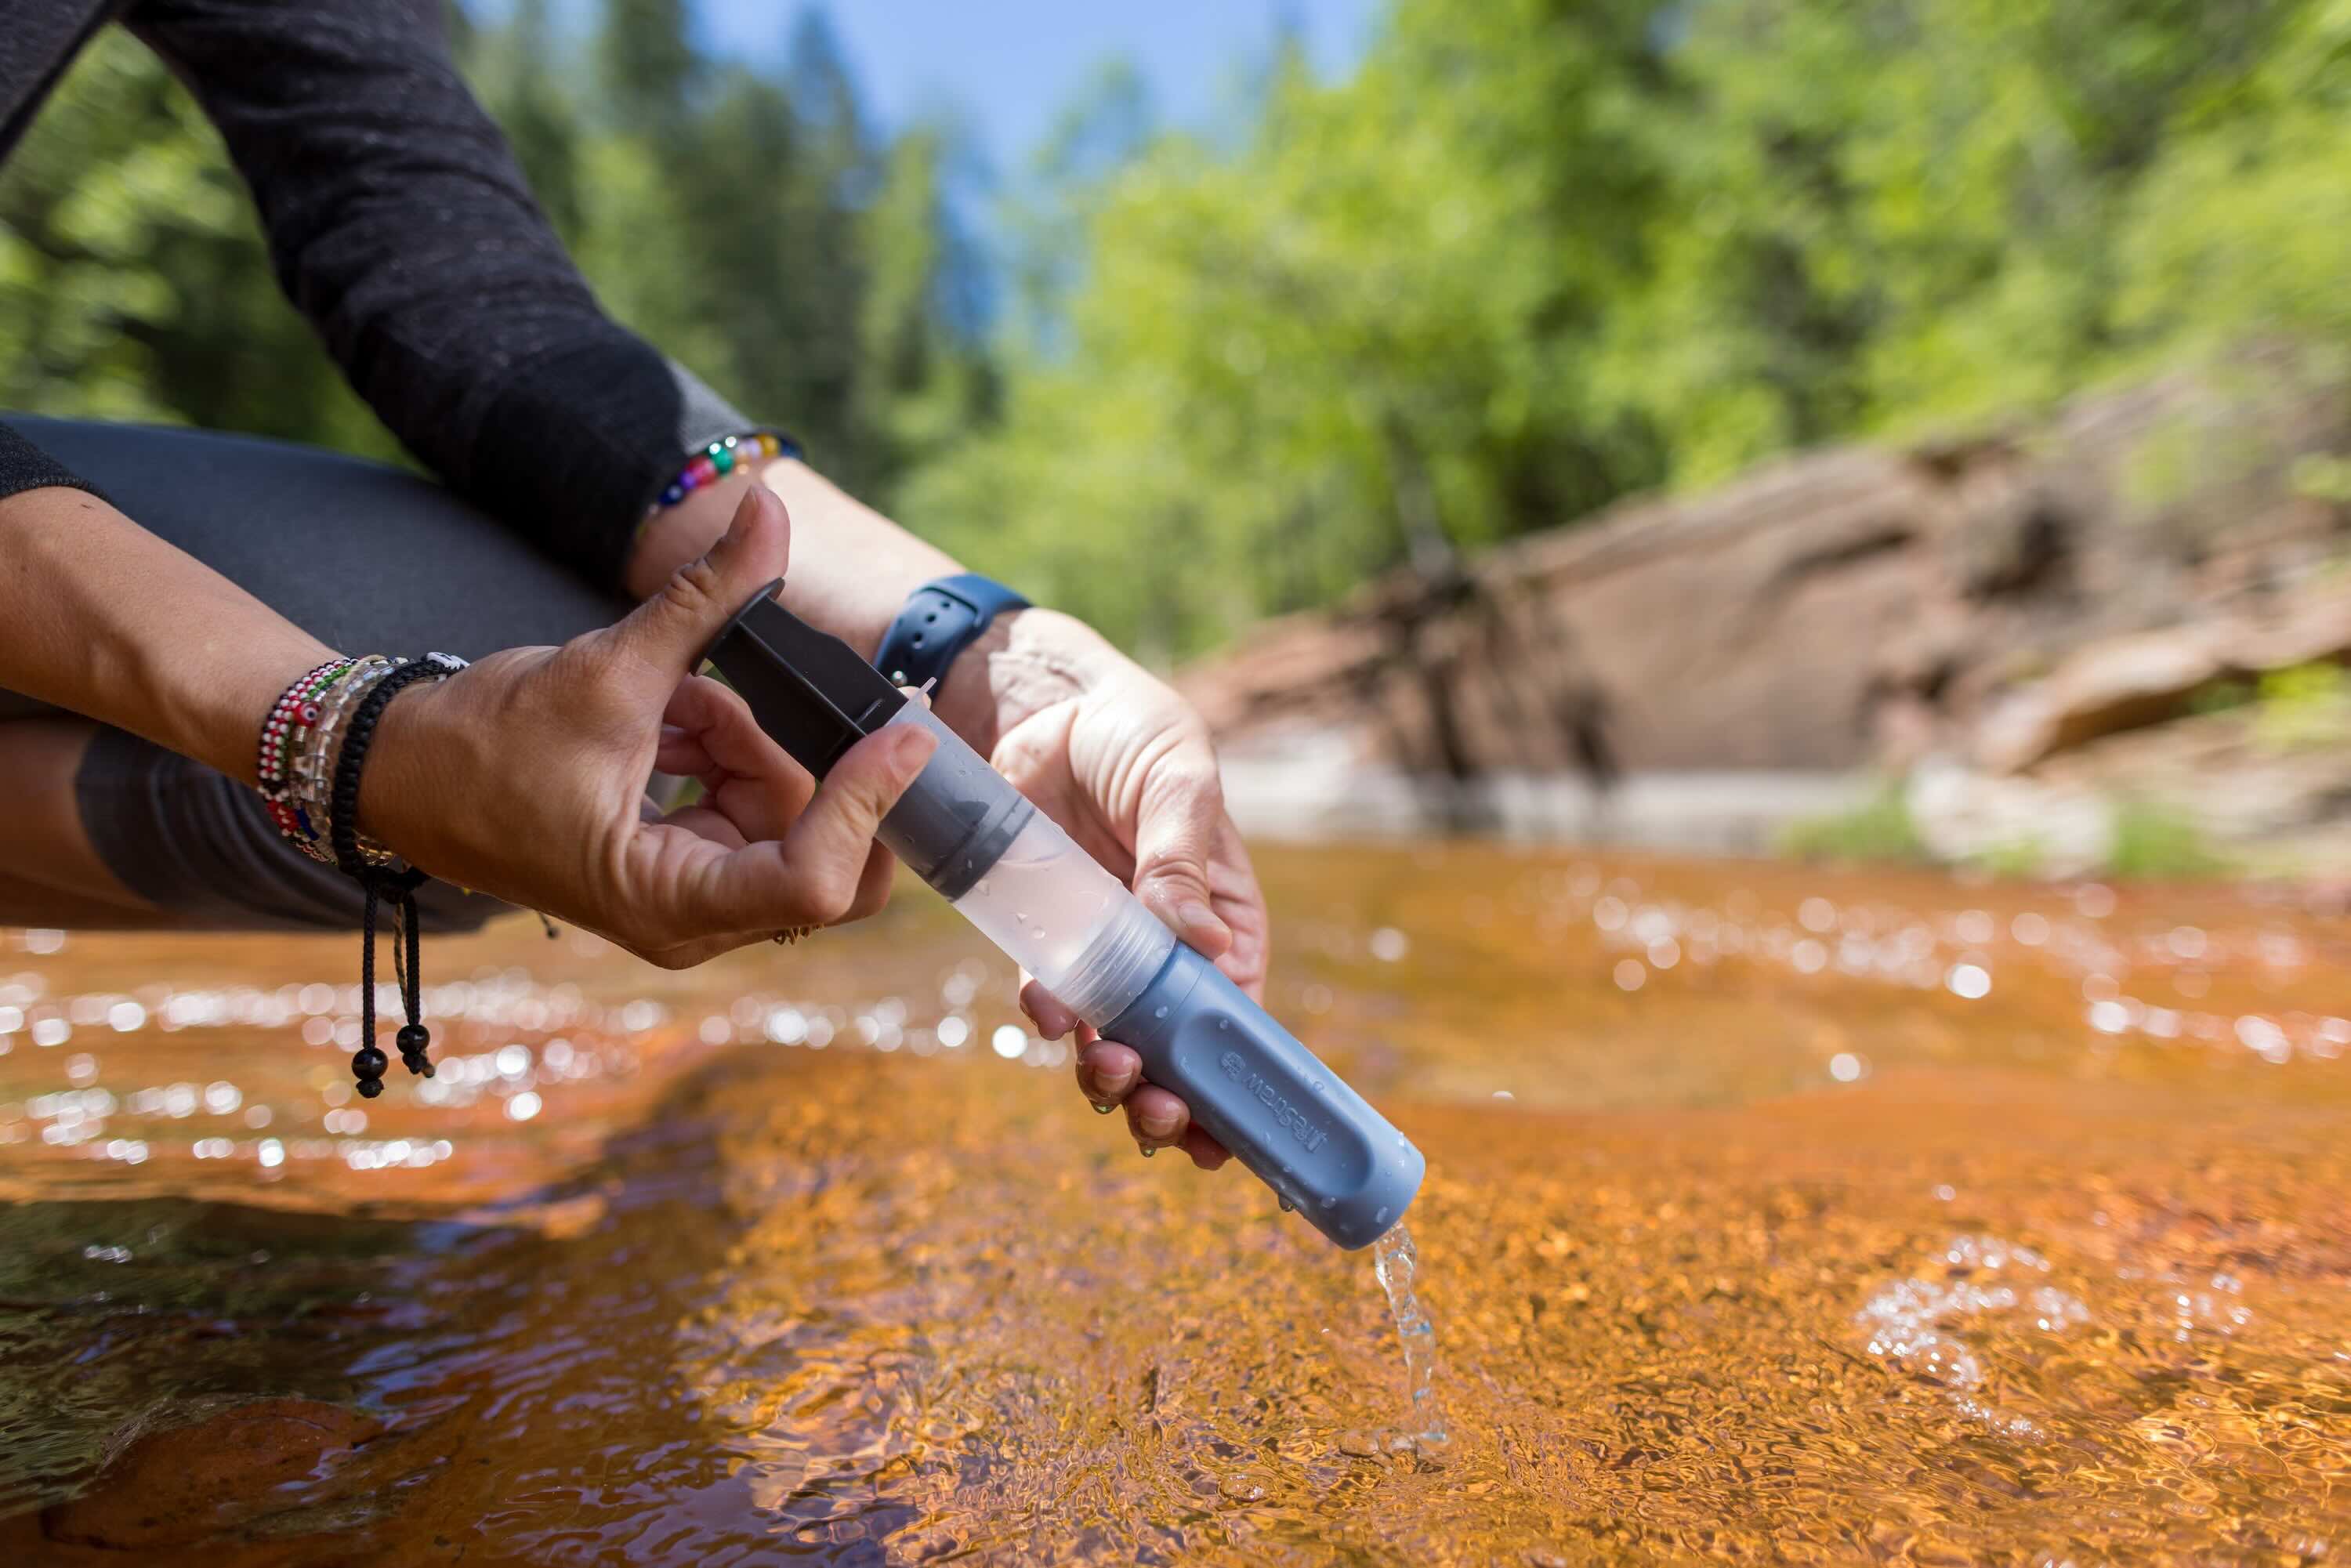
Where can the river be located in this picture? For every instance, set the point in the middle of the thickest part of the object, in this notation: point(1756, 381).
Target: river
point(1773, 1214)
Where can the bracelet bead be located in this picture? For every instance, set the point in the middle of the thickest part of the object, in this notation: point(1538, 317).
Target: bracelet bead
point(722, 457)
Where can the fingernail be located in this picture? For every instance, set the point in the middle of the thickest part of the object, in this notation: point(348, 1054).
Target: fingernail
point(1158, 1126)
point(1199, 917)
point(1103, 1110)
point(1117, 1083)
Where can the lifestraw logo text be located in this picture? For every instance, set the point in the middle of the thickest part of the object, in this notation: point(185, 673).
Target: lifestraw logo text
point(1289, 1116)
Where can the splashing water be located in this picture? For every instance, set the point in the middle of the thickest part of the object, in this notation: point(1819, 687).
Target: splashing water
point(1396, 1260)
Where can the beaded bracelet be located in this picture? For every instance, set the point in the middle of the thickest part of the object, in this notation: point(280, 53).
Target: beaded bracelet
point(313, 772)
point(297, 742)
point(290, 718)
point(314, 743)
point(718, 459)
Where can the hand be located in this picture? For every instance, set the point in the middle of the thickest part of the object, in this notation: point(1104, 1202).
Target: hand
point(1126, 766)
point(523, 777)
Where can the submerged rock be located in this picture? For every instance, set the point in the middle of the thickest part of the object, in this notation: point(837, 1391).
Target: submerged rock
point(175, 1485)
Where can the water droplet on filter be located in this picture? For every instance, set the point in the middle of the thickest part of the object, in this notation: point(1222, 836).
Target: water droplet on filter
point(1285, 1170)
point(1287, 1207)
point(1381, 1217)
point(1330, 1203)
point(982, 889)
point(1224, 1023)
point(1159, 1013)
point(1038, 932)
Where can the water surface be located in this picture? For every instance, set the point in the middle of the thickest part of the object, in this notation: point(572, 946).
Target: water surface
point(1772, 1213)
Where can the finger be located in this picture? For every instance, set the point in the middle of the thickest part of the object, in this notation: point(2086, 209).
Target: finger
point(1239, 902)
point(1156, 1118)
point(1180, 829)
point(842, 818)
point(682, 755)
point(1107, 1073)
point(1045, 1009)
point(705, 823)
point(660, 642)
point(1205, 1152)
point(872, 887)
point(750, 779)
point(715, 718)
point(814, 873)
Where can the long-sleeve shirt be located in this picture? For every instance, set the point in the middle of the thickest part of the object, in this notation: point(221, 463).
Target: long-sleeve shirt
point(399, 224)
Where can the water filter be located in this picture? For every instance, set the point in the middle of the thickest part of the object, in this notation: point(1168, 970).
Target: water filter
point(1010, 870)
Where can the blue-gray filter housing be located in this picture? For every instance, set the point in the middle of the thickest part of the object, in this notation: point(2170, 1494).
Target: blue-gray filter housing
point(1271, 1100)
point(1013, 873)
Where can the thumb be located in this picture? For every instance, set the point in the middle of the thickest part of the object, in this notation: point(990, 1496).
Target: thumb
point(660, 642)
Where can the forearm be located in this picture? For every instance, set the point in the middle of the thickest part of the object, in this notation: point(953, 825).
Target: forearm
point(108, 621)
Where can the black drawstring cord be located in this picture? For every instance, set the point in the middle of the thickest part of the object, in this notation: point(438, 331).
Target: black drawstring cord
point(381, 884)
point(413, 1036)
point(367, 1062)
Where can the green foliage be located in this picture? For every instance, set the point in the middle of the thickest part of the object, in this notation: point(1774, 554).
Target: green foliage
point(2223, 695)
point(1880, 830)
point(749, 225)
point(1533, 255)
point(2158, 844)
point(2323, 477)
point(132, 283)
point(1537, 253)
point(2019, 859)
point(2303, 707)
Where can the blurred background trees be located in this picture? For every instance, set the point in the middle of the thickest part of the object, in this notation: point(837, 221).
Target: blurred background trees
point(1530, 255)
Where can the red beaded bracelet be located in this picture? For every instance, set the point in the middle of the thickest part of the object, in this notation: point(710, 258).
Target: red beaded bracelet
point(718, 459)
point(297, 707)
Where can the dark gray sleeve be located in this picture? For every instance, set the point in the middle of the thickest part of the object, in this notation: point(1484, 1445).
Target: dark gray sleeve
point(25, 466)
point(400, 224)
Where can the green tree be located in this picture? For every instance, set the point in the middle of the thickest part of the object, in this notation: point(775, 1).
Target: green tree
point(810, 269)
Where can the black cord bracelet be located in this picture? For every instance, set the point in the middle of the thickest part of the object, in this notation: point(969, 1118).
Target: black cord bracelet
point(396, 886)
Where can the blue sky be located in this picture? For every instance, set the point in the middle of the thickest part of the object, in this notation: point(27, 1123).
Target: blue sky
point(1010, 66)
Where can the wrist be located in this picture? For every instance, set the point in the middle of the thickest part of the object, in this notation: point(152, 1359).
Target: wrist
point(1027, 660)
point(852, 568)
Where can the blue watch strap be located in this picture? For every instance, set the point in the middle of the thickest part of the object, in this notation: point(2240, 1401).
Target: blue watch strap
point(941, 619)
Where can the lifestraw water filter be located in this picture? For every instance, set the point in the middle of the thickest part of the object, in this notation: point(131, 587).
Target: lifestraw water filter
point(1010, 870)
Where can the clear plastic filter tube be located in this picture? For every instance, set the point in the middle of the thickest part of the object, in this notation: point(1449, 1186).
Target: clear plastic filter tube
point(1051, 906)
point(1012, 871)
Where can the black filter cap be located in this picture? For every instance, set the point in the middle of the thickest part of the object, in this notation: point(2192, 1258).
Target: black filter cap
point(807, 688)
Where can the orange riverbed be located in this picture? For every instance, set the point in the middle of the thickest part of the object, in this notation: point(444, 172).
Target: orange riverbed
point(1774, 1215)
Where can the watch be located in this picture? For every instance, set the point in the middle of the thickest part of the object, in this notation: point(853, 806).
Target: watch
point(941, 619)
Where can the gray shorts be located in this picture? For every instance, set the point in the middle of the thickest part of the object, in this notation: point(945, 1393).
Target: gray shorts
point(365, 558)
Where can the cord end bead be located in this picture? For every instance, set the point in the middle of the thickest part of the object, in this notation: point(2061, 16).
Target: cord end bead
point(411, 1039)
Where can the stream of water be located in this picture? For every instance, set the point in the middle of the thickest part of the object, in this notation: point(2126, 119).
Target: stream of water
point(1772, 1213)
point(1395, 1261)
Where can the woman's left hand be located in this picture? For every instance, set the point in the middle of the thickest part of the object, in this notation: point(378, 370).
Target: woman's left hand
point(1127, 766)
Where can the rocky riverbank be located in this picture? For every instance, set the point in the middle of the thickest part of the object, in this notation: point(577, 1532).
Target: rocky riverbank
point(2142, 603)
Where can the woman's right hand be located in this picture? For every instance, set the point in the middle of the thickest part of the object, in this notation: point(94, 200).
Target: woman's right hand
point(524, 776)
